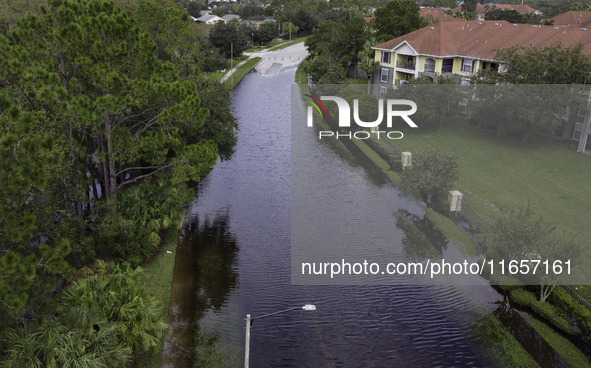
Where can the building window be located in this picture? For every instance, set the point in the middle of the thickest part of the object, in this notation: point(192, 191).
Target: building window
point(385, 57)
point(430, 65)
point(447, 66)
point(578, 131)
point(383, 91)
point(384, 75)
point(467, 65)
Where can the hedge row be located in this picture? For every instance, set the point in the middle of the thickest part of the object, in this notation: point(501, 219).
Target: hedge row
point(563, 300)
point(391, 158)
point(544, 310)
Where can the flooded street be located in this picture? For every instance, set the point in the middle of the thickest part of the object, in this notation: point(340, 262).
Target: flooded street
point(234, 259)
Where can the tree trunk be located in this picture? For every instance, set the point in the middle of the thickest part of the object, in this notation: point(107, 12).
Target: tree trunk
point(545, 291)
point(103, 167)
point(73, 177)
point(110, 156)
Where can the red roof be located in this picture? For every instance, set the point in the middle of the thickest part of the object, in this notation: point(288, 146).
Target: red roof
point(573, 19)
point(483, 39)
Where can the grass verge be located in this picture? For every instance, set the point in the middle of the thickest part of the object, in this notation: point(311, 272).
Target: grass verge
point(159, 282)
point(241, 72)
point(566, 349)
point(287, 43)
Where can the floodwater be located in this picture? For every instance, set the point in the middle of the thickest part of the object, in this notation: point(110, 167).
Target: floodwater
point(234, 259)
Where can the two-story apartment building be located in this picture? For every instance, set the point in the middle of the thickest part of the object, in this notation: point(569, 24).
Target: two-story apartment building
point(461, 49)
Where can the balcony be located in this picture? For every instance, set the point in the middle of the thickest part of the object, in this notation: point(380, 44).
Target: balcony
point(405, 65)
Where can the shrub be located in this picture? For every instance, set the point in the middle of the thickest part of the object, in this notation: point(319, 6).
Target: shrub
point(563, 300)
point(546, 311)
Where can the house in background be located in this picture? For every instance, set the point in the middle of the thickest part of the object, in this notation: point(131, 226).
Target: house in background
point(573, 19)
point(208, 19)
point(229, 17)
point(482, 9)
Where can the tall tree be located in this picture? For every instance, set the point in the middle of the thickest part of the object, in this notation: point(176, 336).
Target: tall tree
point(397, 18)
point(522, 235)
point(231, 38)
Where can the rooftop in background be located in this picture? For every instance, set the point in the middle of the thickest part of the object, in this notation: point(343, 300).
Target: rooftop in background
point(228, 17)
point(520, 8)
point(438, 15)
point(573, 19)
point(482, 39)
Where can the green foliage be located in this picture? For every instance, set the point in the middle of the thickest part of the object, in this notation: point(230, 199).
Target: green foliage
point(550, 65)
point(81, 337)
point(432, 173)
point(523, 235)
point(231, 38)
point(325, 70)
point(436, 101)
point(117, 292)
point(469, 6)
point(512, 16)
point(12, 10)
point(332, 45)
point(563, 300)
point(207, 352)
point(288, 28)
point(560, 344)
point(221, 125)
point(143, 212)
point(267, 32)
point(172, 31)
point(545, 310)
point(102, 127)
point(526, 111)
point(505, 350)
point(551, 9)
point(397, 18)
point(388, 155)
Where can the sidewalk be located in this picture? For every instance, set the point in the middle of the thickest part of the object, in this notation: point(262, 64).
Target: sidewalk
point(233, 70)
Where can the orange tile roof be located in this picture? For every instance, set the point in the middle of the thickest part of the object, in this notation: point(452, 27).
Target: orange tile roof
point(483, 39)
point(438, 15)
point(573, 18)
point(520, 8)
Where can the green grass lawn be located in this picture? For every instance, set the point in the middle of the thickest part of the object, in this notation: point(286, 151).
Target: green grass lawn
point(497, 174)
point(159, 282)
point(357, 81)
point(241, 72)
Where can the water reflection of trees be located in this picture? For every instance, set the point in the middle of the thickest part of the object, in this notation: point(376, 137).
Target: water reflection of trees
point(215, 251)
point(422, 239)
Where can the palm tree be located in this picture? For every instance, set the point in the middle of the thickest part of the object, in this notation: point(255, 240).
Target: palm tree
point(121, 297)
point(367, 64)
point(80, 338)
